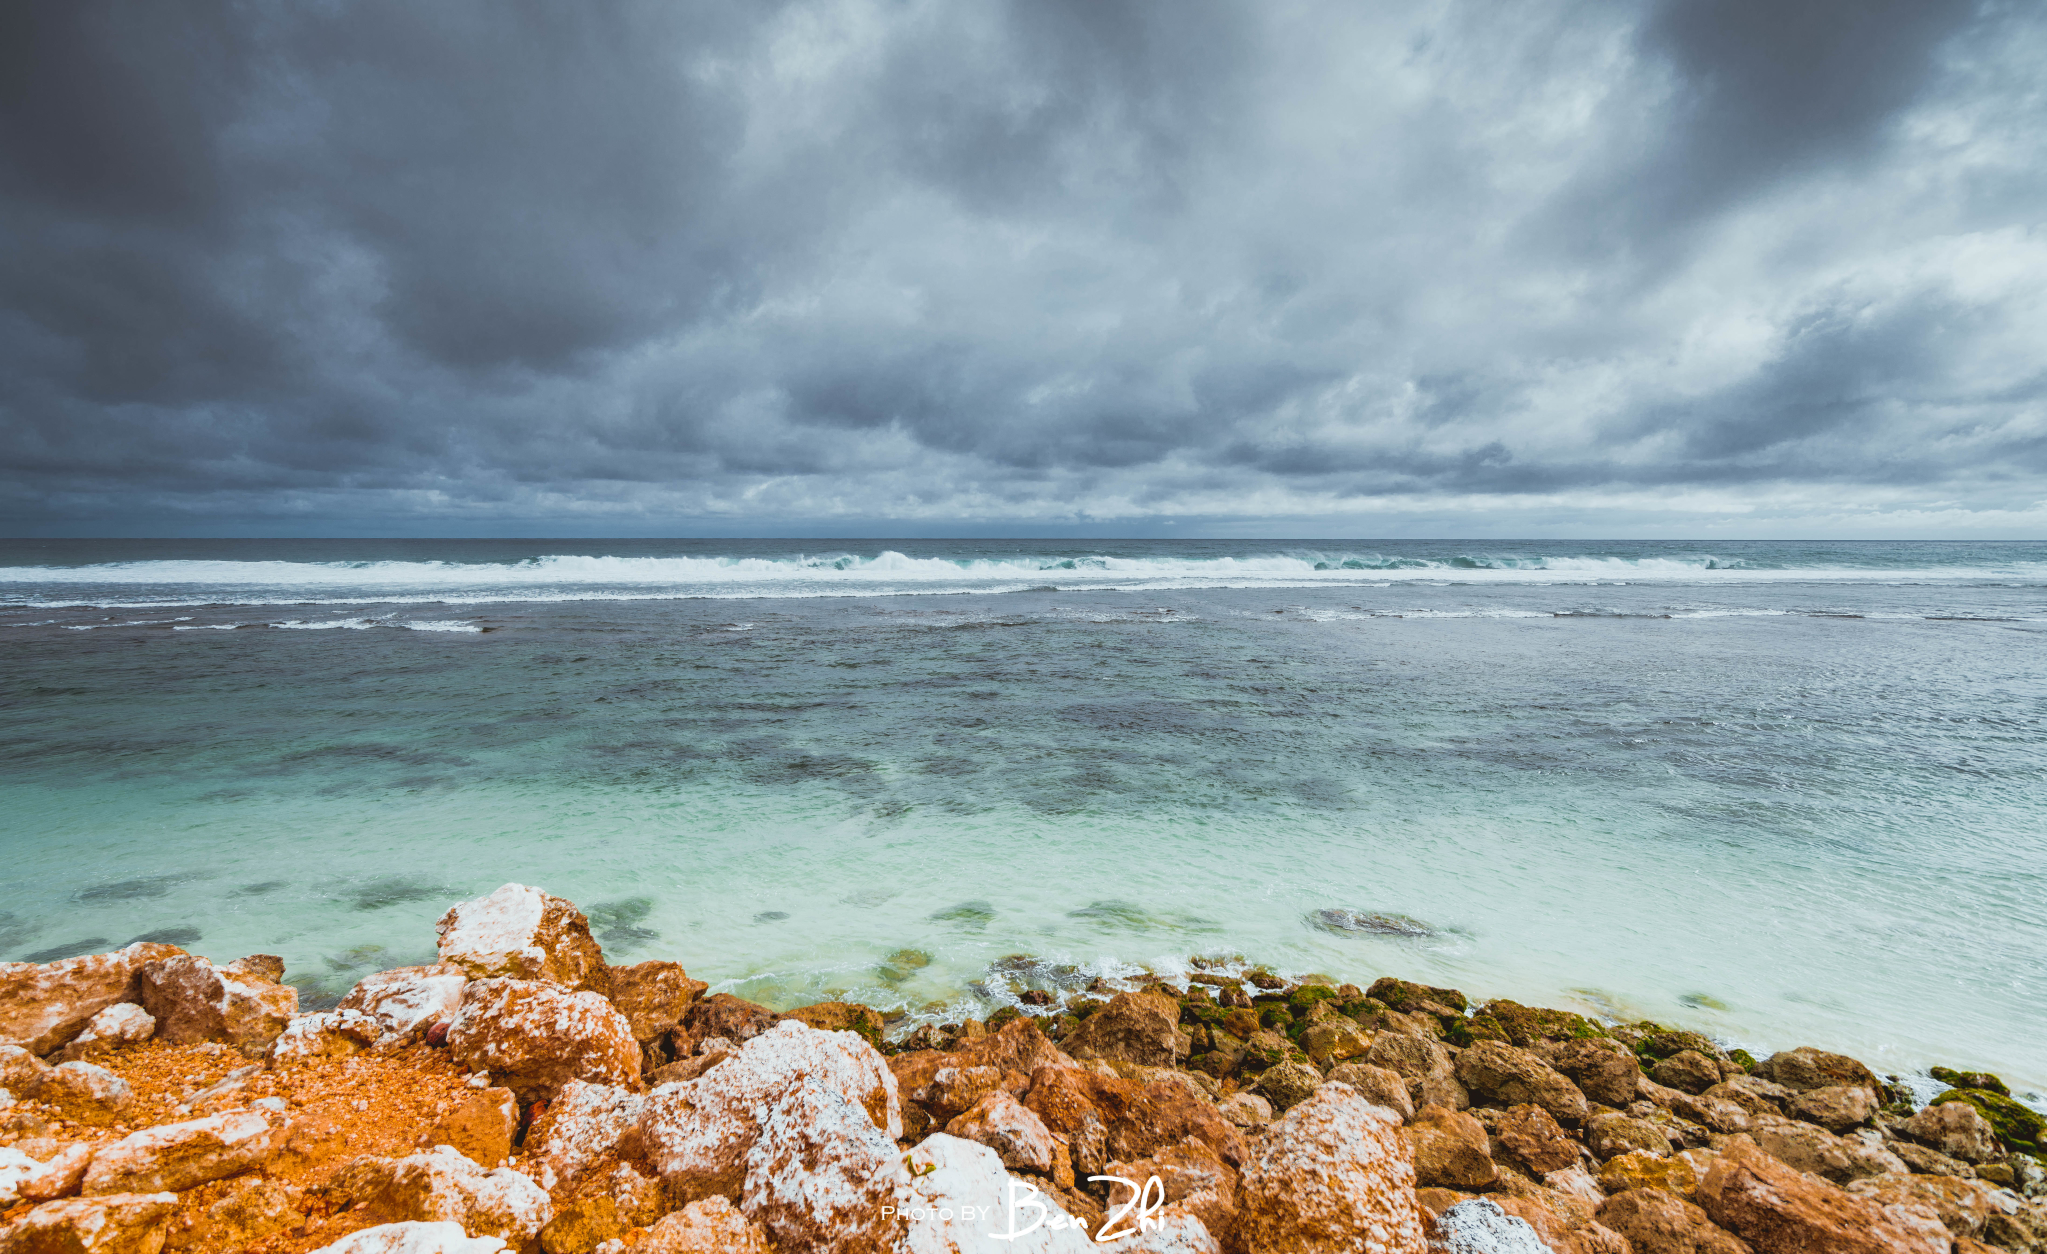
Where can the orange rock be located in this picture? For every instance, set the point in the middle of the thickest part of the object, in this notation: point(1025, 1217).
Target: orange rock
point(1502, 1075)
point(1195, 1179)
point(1139, 1028)
point(1604, 1069)
point(116, 1223)
point(533, 1036)
point(1424, 1064)
point(1780, 1210)
point(44, 1004)
point(1004, 1125)
point(1332, 1175)
point(1529, 1134)
point(721, 1015)
point(1657, 1222)
point(582, 1123)
point(176, 1156)
point(1020, 1046)
point(1640, 1169)
point(940, 1083)
point(711, 1225)
point(522, 933)
point(61, 1175)
point(1380, 1086)
point(840, 1016)
point(1449, 1150)
point(653, 996)
point(1078, 1106)
point(242, 1003)
point(442, 1186)
point(480, 1127)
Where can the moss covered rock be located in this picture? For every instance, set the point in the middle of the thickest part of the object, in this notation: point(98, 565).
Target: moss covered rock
point(1971, 1080)
point(2017, 1127)
point(1409, 997)
point(1527, 1025)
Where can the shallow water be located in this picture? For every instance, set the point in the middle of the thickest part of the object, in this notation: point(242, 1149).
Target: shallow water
point(1786, 794)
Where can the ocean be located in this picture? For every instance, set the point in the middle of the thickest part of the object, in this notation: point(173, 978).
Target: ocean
point(1782, 793)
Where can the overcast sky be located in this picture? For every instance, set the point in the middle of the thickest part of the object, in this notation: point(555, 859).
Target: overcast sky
point(1709, 267)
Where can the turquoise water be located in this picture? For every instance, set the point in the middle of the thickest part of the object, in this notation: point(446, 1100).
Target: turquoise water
point(1788, 794)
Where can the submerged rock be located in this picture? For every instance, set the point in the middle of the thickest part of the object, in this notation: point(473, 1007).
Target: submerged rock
point(1353, 922)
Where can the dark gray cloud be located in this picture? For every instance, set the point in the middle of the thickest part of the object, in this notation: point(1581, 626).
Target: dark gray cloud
point(472, 266)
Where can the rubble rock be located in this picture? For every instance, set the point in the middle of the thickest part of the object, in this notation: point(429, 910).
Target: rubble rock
point(327, 1034)
point(1687, 1071)
point(481, 1126)
point(1479, 1226)
point(1815, 1150)
point(1332, 1175)
point(413, 1238)
point(1505, 1076)
point(1195, 1180)
point(582, 1122)
point(1134, 1027)
point(1835, 1107)
point(522, 933)
point(1639, 1169)
point(1929, 1162)
point(1381, 1087)
point(1955, 1129)
point(1425, 1065)
point(1658, 1222)
point(44, 1004)
point(653, 996)
point(1536, 1140)
point(840, 1016)
point(405, 1001)
point(1006, 1126)
point(711, 1225)
point(1019, 1046)
point(116, 1223)
point(1779, 1210)
point(582, 1225)
point(941, 1085)
point(441, 1186)
point(251, 1210)
point(193, 1000)
point(174, 1157)
point(535, 1036)
point(1450, 1150)
point(1806, 1068)
point(88, 1090)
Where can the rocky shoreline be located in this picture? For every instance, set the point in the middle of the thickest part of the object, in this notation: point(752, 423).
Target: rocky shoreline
point(521, 1093)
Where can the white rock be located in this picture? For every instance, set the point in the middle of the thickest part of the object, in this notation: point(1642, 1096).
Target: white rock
point(1005, 1125)
point(328, 1034)
point(406, 999)
point(413, 1238)
point(15, 1167)
point(442, 1186)
point(961, 1203)
point(177, 1156)
point(819, 1174)
point(1174, 1232)
point(1478, 1226)
point(584, 1121)
point(87, 1084)
point(522, 933)
point(35, 1180)
point(125, 1022)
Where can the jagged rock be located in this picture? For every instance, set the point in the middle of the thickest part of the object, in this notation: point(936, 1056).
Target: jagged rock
point(654, 996)
point(250, 1211)
point(1425, 1065)
point(241, 1003)
point(123, 1023)
point(582, 1225)
point(582, 1122)
point(1659, 1222)
point(1248, 1110)
point(116, 1223)
point(44, 1004)
point(24, 1178)
point(1334, 1041)
point(818, 1172)
point(177, 1156)
point(1638, 1169)
point(711, 1225)
point(1167, 1113)
point(480, 1127)
point(1928, 1162)
point(1603, 1069)
point(1196, 1182)
point(22, 1073)
point(1687, 1071)
point(1289, 1084)
point(413, 1238)
point(327, 1034)
point(1381, 1087)
point(534, 1036)
point(1779, 1210)
point(1502, 1075)
point(1966, 1208)
point(1814, 1149)
point(441, 1186)
point(522, 933)
point(1808, 1068)
point(1006, 1126)
point(405, 1001)
point(86, 1089)
point(941, 1085)
point(1613, 1133)
point(1532, 1137)
point(1564, 1222)
point(1450, 1150)
point(840, 1016)
point(1955, 1129)
point(1134, 1027)
point(958, 1193)
point(1019, 1046)
point(1408, 997)
point(1479, 1226)
point(1835, 1107)
point(1332, 1174)
point(721, 1015)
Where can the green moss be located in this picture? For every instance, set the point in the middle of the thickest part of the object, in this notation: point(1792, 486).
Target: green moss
point(2017, 1127)
point(1082, 1007)
point(1003, 1016)
point(1971, 1080)
point(1407, 996)
point(1745, 1060)
point(1276, 1017)
point(1308, 994)
point(1526, 1026)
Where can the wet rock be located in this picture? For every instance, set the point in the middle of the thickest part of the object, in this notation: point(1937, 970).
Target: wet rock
point(1956, 1130)
point(1637, 1169)
point(1380, 1086)
point(405, 1001)
point(1248, 1110)
point(1502, 1075)
point(1450, 1150)
point(1656, 1041)
point(327, 1034)
point(1289, 1084)
point(654, 997)
point(1966, 1208)
point(1479, 1226)
point(176, 1156)
point(1687, 1071)
point(522, 933)
point(1335, 1041)
point(413, 1238)
point(43, 1005)
point(1332, 1174)
point(1835, 1107)
point(722, 1015)
point(841, 1016)
point(1529, 1027)
point(480, 1127)
point(241, 1003)
point(1006, 1126)
point(535, 1036)
point(250, 1211)
point(1656, 1221)
point(711, 1225)
point(2017, 1126)
point(441, 1186)
point(1807, 1068)
point(1605, 1070)
point(1425, 1065)
point(117, 1223)
point(89, 1091)
point(1607, 1135)
point(1534, 1139)
point(1778, 1209)
point(1815, 1150)
point(582, 1122)
point(1134, 1027)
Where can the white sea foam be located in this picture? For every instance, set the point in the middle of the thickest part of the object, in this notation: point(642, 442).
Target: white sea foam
point(347, 624)
point(439, 624)
point(208, 627)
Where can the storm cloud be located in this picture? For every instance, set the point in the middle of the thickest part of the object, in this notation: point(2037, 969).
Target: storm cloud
point(618, 268)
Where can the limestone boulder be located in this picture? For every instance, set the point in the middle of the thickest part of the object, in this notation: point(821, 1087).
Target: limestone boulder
point(405, 1001)
point(413, 1237)
point(1020, 1046)
point(1139, 1028)
point(522, 933)
point(958, 1194)
point(818, 1173)
point(441, 1186)
point(1612, 1133)
point(711, 1225)
point(840, 1016)
point(116, 1223)
point(1450, 1150)
point(1167, 1112)
point(24, 1178)
point(325, 1034)
point(1819, 1152)
point(243, 1003)
point(654, 997)
point(174, 1157)
point(1248, 1110)
point(1966, 1208)
point(1928, 1162)
point(1289, 1084)
point(1956, 1130)
point(1603, 1069)
point(1080, 1106)
point(21, 1072)
point(1639, 1169)
point(1424, 1064)
point(1380, 1086)
point(1479, 1226)
point(943, 1084)
point(1778, 1209)
point(534, 1036)
point(1336, 1040)
point(1687, 1071)
point(1835, 1107)
point(45, 1004)
point(1807, 1068)
point(721, 1016)
point(1332, 1174)
point(581, 1124)
point(123, 1023)
point(1656, 1221)
point(1529, 1136)
point(480, 1127)
point(1008, 1127)
point(1501, 1075)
